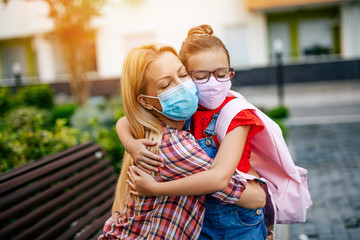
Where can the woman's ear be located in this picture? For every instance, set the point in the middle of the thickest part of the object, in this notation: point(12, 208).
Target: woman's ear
point(145, 102)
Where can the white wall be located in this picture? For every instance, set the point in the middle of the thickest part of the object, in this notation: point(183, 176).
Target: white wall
point(350, 28)
point(23, 18)
point(258, 46)
point(45, 58)
point(168, 22)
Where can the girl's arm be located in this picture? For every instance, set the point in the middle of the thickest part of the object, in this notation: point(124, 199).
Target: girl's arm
point(137, 148)
point(212, 180)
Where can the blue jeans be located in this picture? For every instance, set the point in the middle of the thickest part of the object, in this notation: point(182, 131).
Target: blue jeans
point(228, 221)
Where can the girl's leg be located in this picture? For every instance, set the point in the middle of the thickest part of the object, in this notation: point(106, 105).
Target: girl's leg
point(245, 224)
point(226, 221)
point(209, 229)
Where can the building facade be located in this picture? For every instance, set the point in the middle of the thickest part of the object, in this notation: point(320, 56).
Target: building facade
point(308, 30)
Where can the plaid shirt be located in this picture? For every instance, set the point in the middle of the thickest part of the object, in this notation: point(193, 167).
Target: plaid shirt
point(175, 217)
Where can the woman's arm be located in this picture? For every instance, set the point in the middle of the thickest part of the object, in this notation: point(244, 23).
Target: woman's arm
point(137, 148)
point(212, 180)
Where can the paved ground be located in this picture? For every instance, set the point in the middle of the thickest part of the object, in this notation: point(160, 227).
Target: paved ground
point(305, 95)
point(331, 153)
point(324, 137)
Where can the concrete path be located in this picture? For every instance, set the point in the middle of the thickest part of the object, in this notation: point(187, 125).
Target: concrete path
point(324, 137)
point(300, 95)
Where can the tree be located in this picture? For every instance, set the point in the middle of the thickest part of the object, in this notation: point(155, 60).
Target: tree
point(72, 27)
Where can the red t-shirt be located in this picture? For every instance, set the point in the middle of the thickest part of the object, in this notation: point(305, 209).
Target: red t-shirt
point(202, 117)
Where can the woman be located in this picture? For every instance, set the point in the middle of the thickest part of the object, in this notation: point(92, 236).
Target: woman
point(158, 95)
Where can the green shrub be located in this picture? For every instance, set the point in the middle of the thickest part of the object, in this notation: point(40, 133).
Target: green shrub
point(108, 138)
point(29, 118)
point(41, 96)
point(7, 101)
point(99, 122)
point(24, 145)
point(278, 112)
point(109, 142)
point(83, 117)
point(283, 127)
point(26, 133)
point(64, 111)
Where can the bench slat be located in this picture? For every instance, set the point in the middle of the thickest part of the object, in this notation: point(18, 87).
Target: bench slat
point(92, 217)
point(99, 224)
point(53, 218)
point(47, 169)
point(19, 196)
point(64, 224)
point(37, 216)
point(28, 167)
point(58, 189)
point(66, 195)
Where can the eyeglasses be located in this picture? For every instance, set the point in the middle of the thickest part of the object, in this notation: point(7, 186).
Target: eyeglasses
point(221, 75)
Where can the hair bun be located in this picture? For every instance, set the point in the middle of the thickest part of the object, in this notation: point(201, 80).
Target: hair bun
point(201, 30)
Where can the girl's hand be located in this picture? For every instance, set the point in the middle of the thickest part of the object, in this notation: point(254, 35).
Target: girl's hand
point(270, 229)
point(253, 197)
point(141, 183)
point(143, 158)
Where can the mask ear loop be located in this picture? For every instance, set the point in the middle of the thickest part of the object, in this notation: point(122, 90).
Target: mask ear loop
point(157, 109)
point(147, 96)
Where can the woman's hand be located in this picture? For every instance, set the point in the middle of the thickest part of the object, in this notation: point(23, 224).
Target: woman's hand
point(141, 183)
point(143, 158)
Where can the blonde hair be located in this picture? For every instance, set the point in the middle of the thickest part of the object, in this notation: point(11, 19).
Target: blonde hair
point(199, 39)
point(143, 123)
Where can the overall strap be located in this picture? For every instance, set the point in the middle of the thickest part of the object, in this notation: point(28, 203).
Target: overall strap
point(210, 130)
point(187, 125)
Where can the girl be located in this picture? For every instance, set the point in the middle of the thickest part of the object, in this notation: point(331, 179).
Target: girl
point(207, 61)
point(158, 96)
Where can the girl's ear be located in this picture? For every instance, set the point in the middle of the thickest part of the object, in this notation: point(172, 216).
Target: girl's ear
point(232, 74)
point(144, 102)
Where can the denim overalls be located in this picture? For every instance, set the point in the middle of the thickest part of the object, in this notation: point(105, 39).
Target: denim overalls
point(227, 221)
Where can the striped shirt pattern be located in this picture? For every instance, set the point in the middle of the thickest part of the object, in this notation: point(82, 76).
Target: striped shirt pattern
point(171, 217)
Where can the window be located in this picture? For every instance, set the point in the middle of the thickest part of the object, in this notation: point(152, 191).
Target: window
point(315, 37)
point(280, 30)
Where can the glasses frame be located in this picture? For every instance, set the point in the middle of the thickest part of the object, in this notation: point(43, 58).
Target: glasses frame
point(212, 72)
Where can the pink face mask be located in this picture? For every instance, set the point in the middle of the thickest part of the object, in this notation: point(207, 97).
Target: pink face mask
point(213, 93)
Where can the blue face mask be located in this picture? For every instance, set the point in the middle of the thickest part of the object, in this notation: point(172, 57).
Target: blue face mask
point(180, 102)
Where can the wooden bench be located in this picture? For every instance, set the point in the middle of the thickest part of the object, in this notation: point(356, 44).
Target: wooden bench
point(64, 196)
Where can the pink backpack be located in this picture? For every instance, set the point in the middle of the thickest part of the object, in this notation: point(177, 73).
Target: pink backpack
point(287, 189)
